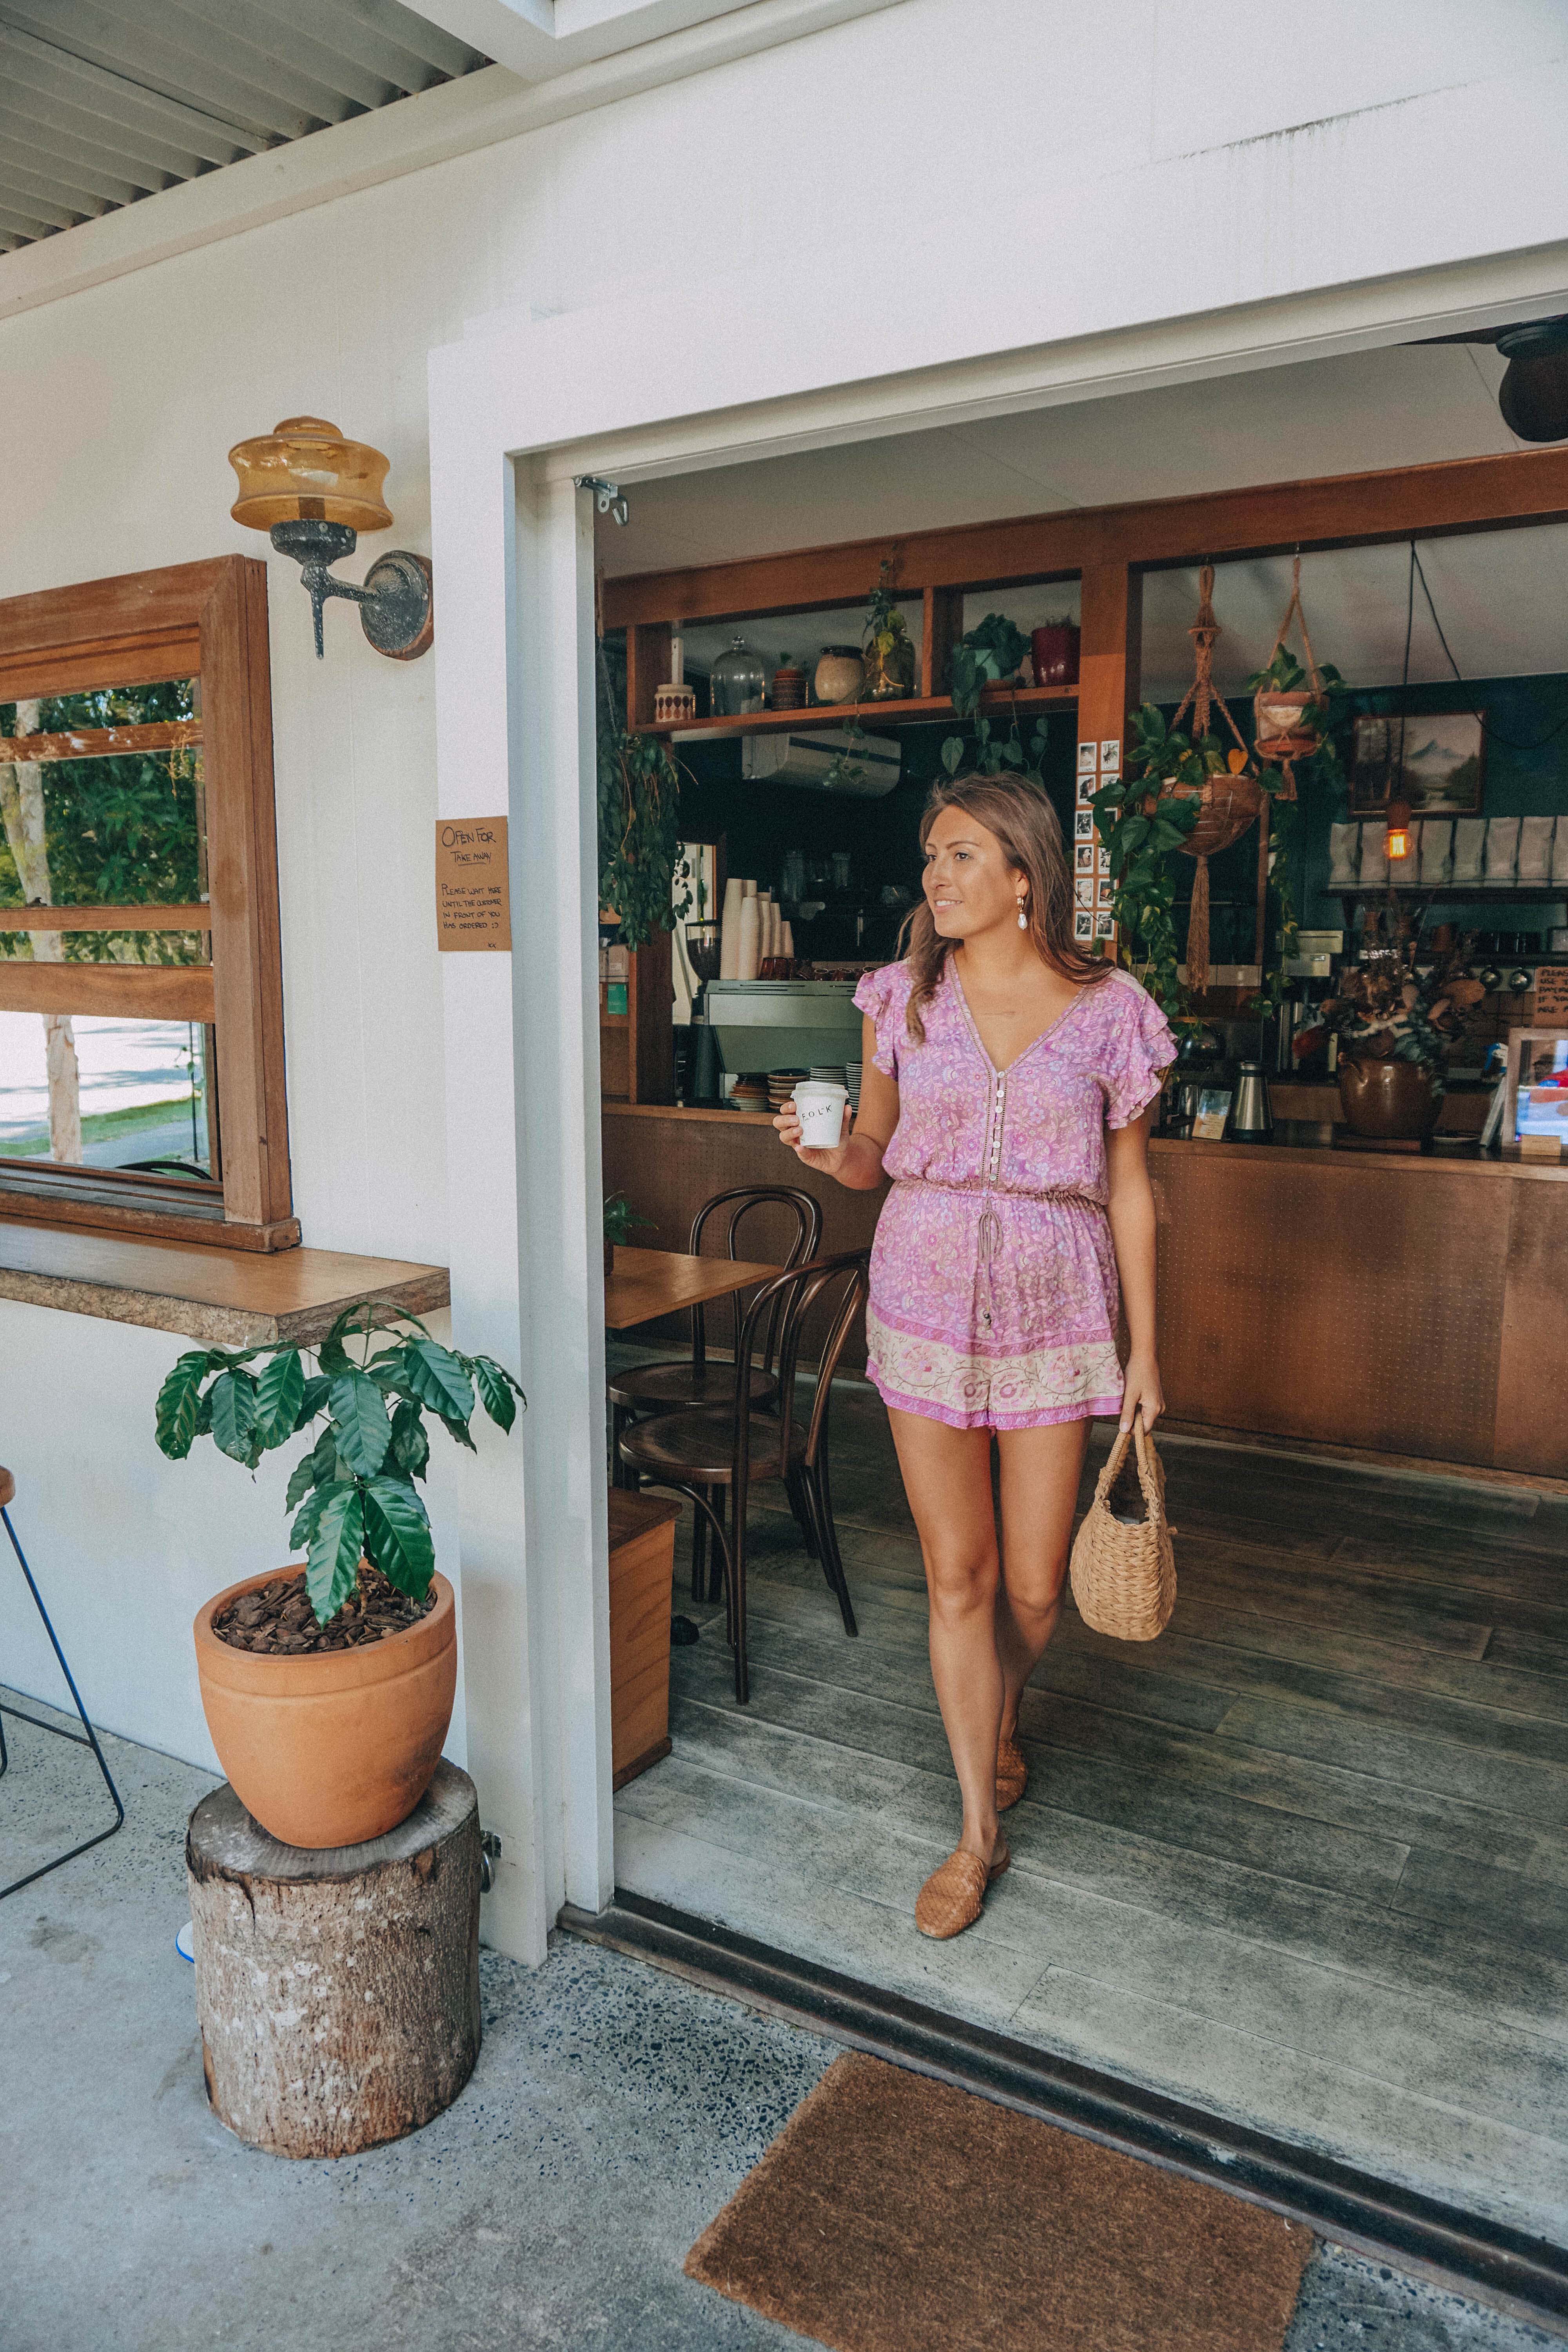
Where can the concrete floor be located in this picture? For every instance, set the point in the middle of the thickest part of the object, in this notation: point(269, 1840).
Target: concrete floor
point(614, 2110)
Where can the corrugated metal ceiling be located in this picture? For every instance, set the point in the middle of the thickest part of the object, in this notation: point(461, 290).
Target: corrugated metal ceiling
point(102, 104)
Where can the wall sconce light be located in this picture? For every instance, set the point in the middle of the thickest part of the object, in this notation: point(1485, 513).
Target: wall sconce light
point(1396, 841)
point(313, 492)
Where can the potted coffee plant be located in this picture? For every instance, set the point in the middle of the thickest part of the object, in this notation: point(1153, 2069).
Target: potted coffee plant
point(1395, 1025)
point(328, 1689)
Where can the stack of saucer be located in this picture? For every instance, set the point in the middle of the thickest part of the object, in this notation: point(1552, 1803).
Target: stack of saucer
point(852, 1080)
point(750, 1091)
point(829, 1074)
point(782, 1084)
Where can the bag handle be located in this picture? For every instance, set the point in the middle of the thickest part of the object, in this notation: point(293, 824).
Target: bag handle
point(1138, 1435)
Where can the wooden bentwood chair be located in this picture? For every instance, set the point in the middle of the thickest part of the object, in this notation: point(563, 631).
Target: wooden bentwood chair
point(691, 1380)
point(702, 1453)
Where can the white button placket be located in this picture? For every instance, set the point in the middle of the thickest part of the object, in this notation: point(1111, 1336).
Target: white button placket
point(992, 1169)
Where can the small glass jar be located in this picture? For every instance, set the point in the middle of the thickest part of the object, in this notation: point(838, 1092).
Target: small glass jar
point(737, 682)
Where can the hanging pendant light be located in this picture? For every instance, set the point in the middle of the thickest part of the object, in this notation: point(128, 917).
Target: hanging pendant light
point(1396, 840)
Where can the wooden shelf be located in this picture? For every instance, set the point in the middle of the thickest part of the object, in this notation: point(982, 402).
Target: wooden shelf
point(873, 717)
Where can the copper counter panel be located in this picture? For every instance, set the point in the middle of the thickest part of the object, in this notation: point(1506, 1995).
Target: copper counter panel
point(1411, 1306)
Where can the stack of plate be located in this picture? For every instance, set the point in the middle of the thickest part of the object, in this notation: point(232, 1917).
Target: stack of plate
point(782, 1084)
point(852, 1080)
point(830, 1073)
point(750, 1091)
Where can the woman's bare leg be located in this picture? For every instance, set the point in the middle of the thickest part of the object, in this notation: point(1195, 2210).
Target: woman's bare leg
point(947, 1477)
point(1040, 1473)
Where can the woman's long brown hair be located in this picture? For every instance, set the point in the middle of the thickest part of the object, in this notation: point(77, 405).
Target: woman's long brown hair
point(1024, 825)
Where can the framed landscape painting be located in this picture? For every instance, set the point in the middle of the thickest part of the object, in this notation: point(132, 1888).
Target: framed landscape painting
point(1437, 769)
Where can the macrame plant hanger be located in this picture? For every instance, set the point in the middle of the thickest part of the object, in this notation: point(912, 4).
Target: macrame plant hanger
point(1200, 698)
point(1283, 746)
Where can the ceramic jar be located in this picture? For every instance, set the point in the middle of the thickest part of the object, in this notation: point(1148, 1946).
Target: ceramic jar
point(840, 675)
point(1054, 649)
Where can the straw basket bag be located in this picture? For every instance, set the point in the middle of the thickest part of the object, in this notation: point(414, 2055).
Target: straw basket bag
point(1124, 1571)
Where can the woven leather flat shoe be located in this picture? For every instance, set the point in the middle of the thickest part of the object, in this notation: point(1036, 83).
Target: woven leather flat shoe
point(1011, 1774)
point(954, 1896)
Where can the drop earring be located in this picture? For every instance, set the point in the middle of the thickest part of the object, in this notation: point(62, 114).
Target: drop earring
point(1022, 918)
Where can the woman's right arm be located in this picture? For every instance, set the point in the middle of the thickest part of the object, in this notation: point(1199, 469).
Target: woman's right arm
point(856, 1160)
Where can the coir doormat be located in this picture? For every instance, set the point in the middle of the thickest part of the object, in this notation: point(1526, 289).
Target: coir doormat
point(895, 2214)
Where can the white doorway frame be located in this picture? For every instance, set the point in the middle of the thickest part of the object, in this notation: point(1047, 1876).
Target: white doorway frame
point(515, 414)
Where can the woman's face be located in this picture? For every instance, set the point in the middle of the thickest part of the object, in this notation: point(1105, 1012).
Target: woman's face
point(969, 885)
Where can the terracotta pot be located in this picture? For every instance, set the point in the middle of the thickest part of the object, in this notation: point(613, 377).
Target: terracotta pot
point(1387, 1098)
point(333, 1748)
point(839, 675)
point(1280, 734)
point(1055, 652)
point(1229, 804)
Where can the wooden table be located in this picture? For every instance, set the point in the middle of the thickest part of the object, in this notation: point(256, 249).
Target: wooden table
point(649, 1283)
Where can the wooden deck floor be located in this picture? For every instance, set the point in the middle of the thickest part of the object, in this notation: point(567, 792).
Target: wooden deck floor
point(1304, 1859)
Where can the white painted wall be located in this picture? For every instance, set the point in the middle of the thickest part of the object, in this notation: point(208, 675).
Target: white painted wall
point(1056, 182)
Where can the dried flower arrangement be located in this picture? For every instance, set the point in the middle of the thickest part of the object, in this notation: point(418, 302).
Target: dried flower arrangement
point(1387, 1010)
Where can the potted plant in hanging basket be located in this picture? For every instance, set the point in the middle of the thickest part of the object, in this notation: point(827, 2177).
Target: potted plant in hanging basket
point(1292, 707)
point(1394, 1026)
point(328, 1688)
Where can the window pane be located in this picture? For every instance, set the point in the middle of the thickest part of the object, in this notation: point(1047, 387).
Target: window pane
point(127, 829)
point(141, 1086)
point(109, 812)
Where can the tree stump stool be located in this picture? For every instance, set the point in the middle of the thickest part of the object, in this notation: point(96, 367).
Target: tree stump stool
point(338, 1992)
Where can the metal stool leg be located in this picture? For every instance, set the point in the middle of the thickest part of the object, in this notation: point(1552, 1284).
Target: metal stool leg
point(74, 1737)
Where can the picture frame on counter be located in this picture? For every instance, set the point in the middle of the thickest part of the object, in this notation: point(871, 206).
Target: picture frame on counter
point(1439, 768)
point(1536, 1061)
point(1210, 1114)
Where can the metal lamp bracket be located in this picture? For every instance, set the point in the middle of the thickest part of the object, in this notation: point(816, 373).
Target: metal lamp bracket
point(607, 495)
point(396, 603)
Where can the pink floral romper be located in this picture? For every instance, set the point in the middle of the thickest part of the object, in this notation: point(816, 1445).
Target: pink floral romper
point(994, 1292)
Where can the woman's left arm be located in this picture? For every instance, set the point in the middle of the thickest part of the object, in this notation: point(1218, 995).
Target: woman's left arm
point(1131, 1212)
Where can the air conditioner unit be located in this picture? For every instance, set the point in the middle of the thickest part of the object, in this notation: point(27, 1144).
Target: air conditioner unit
point(805, 759)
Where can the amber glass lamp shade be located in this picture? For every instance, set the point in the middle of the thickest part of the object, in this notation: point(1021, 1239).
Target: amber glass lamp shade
point(1396, 841)
point(304, 471)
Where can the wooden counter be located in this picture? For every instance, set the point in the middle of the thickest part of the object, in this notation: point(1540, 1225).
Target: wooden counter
point(1415, 1306)
point(1412, 1306)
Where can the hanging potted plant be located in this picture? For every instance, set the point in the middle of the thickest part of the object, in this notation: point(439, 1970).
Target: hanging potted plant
point(1394, 1026)
point(886, 648)
point(328, 1688)
point(1204, 797)
point(1292, 707)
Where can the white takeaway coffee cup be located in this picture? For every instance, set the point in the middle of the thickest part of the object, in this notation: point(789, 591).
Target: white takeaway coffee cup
point(819, 1107)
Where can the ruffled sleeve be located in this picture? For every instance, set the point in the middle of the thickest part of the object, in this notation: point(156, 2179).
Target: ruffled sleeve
point(884, 994)
point(1139, 1048)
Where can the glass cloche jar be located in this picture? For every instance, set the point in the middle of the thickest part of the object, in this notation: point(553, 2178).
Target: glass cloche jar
point(738, 682)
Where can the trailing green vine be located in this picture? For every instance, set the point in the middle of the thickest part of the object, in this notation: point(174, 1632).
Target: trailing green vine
point(985, 657)
point(1141, 832)
point(638, 824)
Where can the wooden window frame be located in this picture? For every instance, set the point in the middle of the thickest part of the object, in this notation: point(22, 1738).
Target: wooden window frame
point(205, 620)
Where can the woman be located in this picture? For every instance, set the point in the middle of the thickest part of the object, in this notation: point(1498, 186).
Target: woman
point(1007, 1087)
